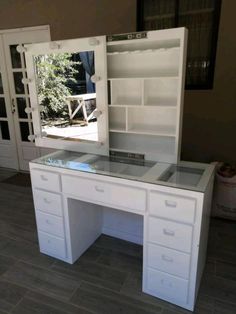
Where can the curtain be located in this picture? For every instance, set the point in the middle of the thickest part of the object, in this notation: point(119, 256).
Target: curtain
point(87, 59)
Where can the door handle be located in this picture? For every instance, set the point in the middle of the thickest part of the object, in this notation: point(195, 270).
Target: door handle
point(43, 178)
point(47, 201)
point(168, 232)
point(98, 189)
point(167, 258)
point(170, 203)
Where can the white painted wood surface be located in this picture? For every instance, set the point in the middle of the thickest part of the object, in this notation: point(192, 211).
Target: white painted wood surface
point(146, 78)
point(174, 246)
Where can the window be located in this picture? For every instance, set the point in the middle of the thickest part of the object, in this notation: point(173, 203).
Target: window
point(201, 17)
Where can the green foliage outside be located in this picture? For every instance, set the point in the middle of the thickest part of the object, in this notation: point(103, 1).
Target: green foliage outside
point(54, 72)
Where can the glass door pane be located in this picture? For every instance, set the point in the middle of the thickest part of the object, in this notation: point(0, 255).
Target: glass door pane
point(8, 152)
point(16, 68)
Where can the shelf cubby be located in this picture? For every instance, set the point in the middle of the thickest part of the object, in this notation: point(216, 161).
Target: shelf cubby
point(161, 91)
point(146, 82)
point(155, 147)
point(160, 62)
point(126, 92)
point(117, 118)
point(153, 121)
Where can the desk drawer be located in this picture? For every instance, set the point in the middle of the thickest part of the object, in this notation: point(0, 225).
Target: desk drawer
point(50, 224)
point(172, 206)
point(50, 203)
point(107, 193)
point(167, 286)
point(46, 180)
point(51, 245)
point(168, 260)
point(171, 234)
point(85, 188)
point(128, 197)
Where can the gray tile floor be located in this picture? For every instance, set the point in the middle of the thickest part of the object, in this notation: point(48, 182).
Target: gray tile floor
point(106, 280)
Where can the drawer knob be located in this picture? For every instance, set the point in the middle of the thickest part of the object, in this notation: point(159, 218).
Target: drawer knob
point(49, 241)
point(48, 222)
point(46, 201)
point(167, 258)
point(168, 232)
point(170, 203)
point(98, 189)
point(43, 178)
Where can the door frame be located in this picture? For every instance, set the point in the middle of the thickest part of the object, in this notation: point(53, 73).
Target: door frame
point(15, 137)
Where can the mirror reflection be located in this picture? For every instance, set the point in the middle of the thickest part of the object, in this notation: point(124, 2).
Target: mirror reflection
point(67, 96)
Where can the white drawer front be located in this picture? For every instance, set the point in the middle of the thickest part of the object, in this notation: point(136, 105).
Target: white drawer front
point(46, 180)
point(84, 188)
point(48, 202)
point(50, 224)
point(52, 245)
point(171, 234)
point(107, 193)
point(128, 197)
point(172, 206)
point(168, 260)
point(167, 286)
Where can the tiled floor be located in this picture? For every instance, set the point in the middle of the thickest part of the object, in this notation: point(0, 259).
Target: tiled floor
point(106, 280)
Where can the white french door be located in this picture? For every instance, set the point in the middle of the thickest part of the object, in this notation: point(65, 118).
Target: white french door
point(15, 124)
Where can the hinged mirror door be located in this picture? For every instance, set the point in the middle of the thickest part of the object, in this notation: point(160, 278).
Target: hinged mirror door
point(68, 90)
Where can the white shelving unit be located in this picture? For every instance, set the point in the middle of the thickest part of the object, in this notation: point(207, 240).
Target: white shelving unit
point(146, 81)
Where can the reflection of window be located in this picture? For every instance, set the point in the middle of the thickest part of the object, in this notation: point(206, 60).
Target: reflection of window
point(202, 20)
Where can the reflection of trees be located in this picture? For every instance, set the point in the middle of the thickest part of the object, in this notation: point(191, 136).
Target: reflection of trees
point(54, 72)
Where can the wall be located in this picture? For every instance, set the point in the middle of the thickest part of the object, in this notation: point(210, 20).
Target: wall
point(209, 129)
point(209, 125)
point(70, 18)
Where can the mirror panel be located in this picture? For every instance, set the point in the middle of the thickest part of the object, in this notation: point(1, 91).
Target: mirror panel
point(68, 94)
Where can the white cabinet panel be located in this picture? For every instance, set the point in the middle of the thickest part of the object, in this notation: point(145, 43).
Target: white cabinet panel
point(52, 245)
point(167, 233)
point(167, 286)
point(85, 188)
point(121, 196)
point(46, 180)
point(168, 260)
point(50, 224)
point(50, 203)
point(173, 207)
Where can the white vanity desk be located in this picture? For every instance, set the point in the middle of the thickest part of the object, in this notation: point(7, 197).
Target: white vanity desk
point(162, 206)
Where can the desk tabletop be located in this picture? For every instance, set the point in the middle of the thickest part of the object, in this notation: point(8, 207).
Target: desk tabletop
point(185, 175)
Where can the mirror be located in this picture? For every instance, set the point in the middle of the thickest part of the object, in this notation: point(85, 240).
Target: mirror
point(68, 92)
point(66, 95)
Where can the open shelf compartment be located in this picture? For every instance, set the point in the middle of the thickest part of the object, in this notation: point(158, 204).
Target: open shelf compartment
point(161, 91)
point(156, 121)
point(117, 118)
point(155, 147)
point(126, 92)
point(154, 63)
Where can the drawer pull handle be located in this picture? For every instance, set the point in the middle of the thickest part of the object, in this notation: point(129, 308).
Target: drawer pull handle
point(98, 189)
point(43, 177)
point(167, 258)
point(46, 201)
point(166, 283)
point(170, 203)
point(168, 232)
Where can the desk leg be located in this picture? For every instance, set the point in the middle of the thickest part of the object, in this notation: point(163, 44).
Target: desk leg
point(83, 224)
